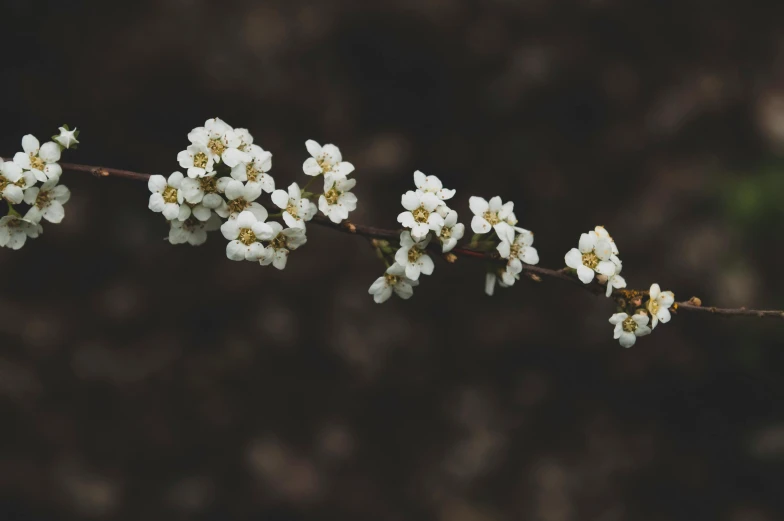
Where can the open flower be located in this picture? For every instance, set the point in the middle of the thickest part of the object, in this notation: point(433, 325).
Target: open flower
point(432, 184)
point(628, 328)
point(517, 252)
point(325, 160)
point(593, 256)
point(241, 197)
point(198, 160)
point(14, 231)
point(14, 181)
point(192, 231)
point(295, 209)
point(244, 234)
point(167, 197)
point(421, 215)
point(220, 141)
point(202, 191)
point(40, 160)
point(337, 201)
point(47, 202)
point(255, 171)
point(451, 232)
point(493, 215)
point(659, 305)
point(394, 280)
point(412, 257)
point(283, 241)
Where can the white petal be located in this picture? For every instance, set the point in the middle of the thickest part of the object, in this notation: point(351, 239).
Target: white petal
point(666, 299)
point(314, 149)
point(618, 318)
point(54, 212)
point(406, 219)
point(655, 291)
point(504, 249)
point(585, 274)
point(530, 256)
point(14, 194)
point(410, 200)
point(504, 231)
point(573, 258)
point(478, 206)
point(426, 264)
point(311, 167)
point(430, 202)
point(156, 203)
point(171, 211)
point(587, 242)
point(606, 268)
point(403, 290)
point(230, 229)
point(280, 198)
point(156, 183)
point(30, 144)
point(246, 219)
point(627, 339)
point(235, 251)
point(480, 225)
point(664, 315)
point(419, 179)
point(234, 189)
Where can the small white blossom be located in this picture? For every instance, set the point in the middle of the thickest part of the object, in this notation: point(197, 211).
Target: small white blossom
point(517, 252)
point(202, 191)
point(14, 181)
point(255, 171)
point(67, 138)
point(615, 281)
point(244, 234)
point(421, 215)
point(192, 231)
point(198, 160)
point(337, 201)
point(325, 160)
point(394, 280)
point(493, 215)
point(412, 257)
point(40, 160)
point(659, 305)
point(220, 141)
point(295, 209)
point(167, 197)
point(241, 197)
point(47, 202)
point(592, 256)
point(283, 242)
point(451, 232)
point(432, 184)
point(628, 328)
point(14, 231)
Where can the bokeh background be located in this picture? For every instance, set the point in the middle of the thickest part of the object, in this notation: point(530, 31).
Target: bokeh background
point(139, 380)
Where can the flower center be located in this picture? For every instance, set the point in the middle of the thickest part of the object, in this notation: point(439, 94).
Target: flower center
point(414, 254)
point(279, 242)
point(200, 160)
point(491, 217)
point(324, 164)
point(208, 185)
point(515, 251)
point(446, 233)
point(36, 162)
point(170, 194)
point(292, 210)
point(251, 172)
point(43, 198)
point(238, 205)
point(420, 215)
point(629, 325)
point(590, 259)
point(332, 196)
point(653, 306)
point(216, 146)
point(247, 237)
point(3, 182)
point(391, 279)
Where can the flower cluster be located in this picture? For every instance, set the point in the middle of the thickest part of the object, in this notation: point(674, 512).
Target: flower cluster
point(18, 179)
point(495, 224)
point(226, 174)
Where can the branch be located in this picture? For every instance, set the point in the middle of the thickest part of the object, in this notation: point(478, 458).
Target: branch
point(534, 272)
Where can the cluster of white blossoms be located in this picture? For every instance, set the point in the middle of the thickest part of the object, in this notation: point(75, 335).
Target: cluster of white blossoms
point(18, 185)
point(226, 174)
point(497, 220)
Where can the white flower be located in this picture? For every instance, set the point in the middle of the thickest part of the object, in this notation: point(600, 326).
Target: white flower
point(255, 171)
point(295, 209)
point(47, 202)
point(628, 328)
point(198, 160)
point(241, 197)
point(14, 231)
point(337, 201)
point(246, 140)
point(40, 160)
point(14, 181)
point(601, 233)
point(326, 160)
point(192, 231)
point(221, 142)
point(593, 255)
point(202, 192)
point(244, 234)
point(412, 257)
point(451, 232)
point(67, 138)
point(167, 197)
point(659, 305)
point(615, 281)
point(496, 215)
point(421, 215)
point(517, 252)
point(431, 184)
point(284, 241)
point(393, 280)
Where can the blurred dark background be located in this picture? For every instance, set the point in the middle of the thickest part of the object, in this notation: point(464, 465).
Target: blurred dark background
point(139, 380)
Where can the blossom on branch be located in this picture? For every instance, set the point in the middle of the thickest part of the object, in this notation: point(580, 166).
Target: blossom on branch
point(296, 210)
point(47, 202)
point(493, 215)
point(244, 234)
point(593, 256)
point(432, 184)
point(192, 231)
point(394, 280)
point(420, 215)
point(14, 181)
point(326, 160)
point(14, 231)
point(413, 258)
point(167, 198)
point(628, 328)
point(40, 160)
point(452, 231)
point(337, 201)
point(219, 142)
point(282, 243)
point(659, 304)
point(256, 170)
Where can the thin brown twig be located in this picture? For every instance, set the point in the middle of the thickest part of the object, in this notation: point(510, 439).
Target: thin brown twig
point(370, 232)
